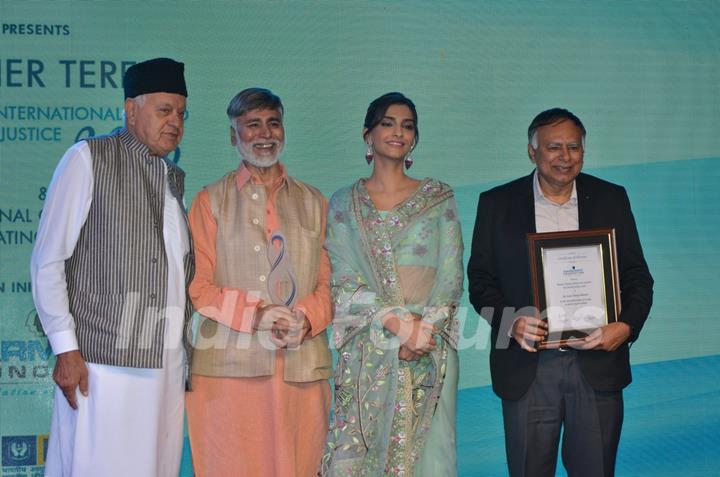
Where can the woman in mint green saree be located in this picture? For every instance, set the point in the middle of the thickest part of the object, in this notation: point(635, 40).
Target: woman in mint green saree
point(396, 251)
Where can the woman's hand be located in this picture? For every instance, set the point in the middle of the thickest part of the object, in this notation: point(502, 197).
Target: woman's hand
point(415, 335)
point(418, 337)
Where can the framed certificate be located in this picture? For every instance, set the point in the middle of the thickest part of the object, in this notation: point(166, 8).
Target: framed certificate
point(575, 282)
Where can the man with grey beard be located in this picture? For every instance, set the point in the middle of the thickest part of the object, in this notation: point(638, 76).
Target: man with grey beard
point(260, 398)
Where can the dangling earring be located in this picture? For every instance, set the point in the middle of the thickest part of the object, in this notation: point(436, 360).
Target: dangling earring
point(409, 161)
point(409, 158)
point(369, 153)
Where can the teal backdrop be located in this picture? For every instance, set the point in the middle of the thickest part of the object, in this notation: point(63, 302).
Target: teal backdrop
point(643, 76)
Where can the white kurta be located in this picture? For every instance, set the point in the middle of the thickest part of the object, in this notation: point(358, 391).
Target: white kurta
point(131, 422)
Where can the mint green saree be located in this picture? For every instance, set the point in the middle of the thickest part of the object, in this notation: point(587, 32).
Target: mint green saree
point(393, 417)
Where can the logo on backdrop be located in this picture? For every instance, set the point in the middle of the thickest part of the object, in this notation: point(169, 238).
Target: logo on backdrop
point(25, 361)
point(33, 324)
point(24, 451)
point(19, 450)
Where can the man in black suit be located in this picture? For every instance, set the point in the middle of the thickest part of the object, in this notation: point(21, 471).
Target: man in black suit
point(578, 389)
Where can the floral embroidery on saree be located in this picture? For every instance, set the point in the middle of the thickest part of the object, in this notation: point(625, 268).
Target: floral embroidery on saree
point(384, 406)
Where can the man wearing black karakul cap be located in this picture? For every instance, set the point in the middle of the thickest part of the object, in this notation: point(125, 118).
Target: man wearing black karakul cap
point(110, 267)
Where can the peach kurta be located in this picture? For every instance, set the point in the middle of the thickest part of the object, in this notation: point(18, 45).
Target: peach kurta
point(260, 426)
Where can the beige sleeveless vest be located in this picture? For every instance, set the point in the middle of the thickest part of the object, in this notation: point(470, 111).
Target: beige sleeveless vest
point(241, 249)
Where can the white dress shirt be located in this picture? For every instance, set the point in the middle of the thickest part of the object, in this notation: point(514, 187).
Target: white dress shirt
point(552, 217)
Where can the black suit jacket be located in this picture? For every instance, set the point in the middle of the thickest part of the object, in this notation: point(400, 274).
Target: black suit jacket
point(499, 278)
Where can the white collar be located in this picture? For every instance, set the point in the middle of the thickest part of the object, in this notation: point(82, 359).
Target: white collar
point(538, 193)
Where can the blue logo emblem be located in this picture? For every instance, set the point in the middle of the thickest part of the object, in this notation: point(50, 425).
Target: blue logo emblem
point(19, 451)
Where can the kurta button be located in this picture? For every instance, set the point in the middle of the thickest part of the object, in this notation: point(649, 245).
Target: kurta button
point(254, 196)
point(148, 161)
point(255, 221)
point(261, 278)
point(256, 248)
point(154, 260)
point(153, 296)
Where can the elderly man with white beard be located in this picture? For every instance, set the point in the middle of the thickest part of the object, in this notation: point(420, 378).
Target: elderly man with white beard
point(260, 399)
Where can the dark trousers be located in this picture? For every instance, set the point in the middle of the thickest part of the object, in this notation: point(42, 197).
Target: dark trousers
point(561, 398)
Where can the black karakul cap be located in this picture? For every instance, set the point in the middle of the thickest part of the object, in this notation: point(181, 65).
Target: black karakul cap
point(159, 75)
